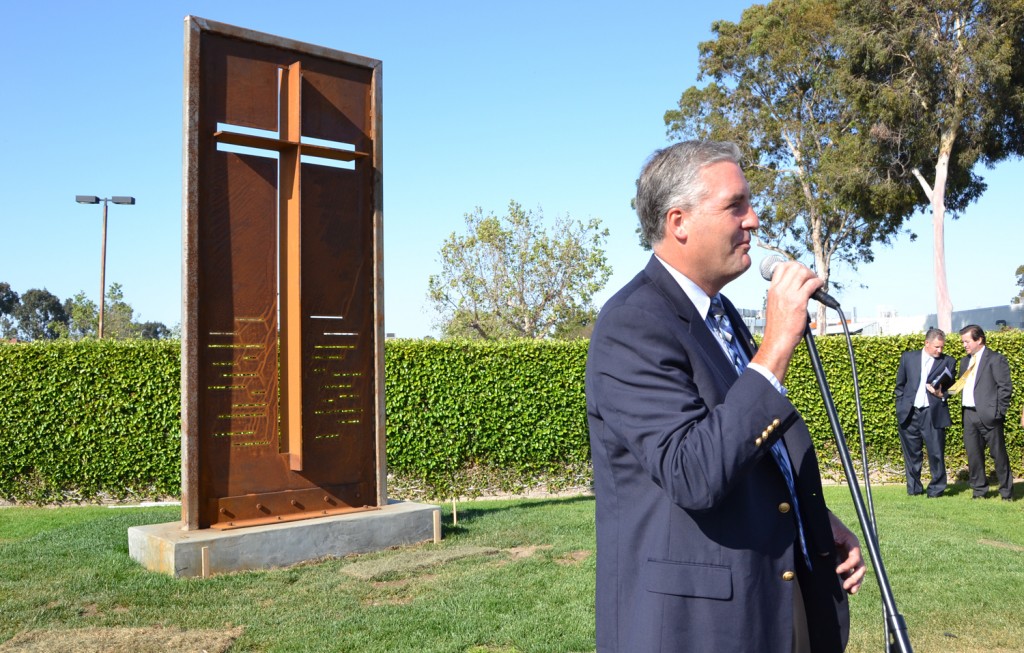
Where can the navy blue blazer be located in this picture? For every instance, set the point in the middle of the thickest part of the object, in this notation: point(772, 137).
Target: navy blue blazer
point(695, 529)
point(908, 377)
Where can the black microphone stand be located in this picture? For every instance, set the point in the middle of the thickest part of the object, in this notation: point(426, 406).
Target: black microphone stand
point(896, 627)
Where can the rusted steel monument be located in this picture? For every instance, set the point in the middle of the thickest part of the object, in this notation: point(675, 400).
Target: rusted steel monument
point(282, 331)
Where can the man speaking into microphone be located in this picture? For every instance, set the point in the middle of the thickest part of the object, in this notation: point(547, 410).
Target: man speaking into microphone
point(712, 533)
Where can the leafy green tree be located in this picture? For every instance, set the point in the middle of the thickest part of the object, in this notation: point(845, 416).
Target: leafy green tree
point(9, 300)
point(83, 317)
point(508, 277)
point(808, 157)
point(942, 82)
point(1020, 284)
point(154, 331)
point(117, 315)
point(8, 328)
point(40, 316)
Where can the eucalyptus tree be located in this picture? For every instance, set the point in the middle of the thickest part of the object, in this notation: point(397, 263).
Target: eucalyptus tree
point(9, 299)
point(942, 82)
point(812, 167)
point(508, 277)
point(1019, 298)
point(40, 316)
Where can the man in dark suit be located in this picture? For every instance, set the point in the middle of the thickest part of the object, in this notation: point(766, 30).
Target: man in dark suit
point(712, 533)
point(985, 382)
point(922, 412)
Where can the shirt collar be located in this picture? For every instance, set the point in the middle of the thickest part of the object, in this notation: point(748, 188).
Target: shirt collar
point(700, 299)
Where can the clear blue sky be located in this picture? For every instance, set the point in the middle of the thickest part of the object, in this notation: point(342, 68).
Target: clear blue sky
point(553, 104)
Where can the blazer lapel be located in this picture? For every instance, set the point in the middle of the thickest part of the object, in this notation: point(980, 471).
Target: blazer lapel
point(692, 321)
point(914, 377)
point(983, 364)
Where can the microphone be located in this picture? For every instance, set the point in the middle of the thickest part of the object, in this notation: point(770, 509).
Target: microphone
point(768, 269)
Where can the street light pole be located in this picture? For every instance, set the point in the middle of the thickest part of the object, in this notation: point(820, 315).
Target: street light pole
point(103, 272)
point(92, 199)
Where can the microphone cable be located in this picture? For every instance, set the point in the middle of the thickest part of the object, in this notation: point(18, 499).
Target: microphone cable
point(896, 636)
point(860, 424)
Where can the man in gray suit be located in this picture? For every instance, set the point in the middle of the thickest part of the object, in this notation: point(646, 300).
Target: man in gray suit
point(922, 412)
point(985, 382)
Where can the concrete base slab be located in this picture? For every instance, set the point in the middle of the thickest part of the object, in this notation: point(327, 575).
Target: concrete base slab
point(168, 549)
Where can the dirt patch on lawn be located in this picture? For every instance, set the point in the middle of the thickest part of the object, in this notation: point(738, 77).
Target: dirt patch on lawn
point(573, 557)
point(520, 552)
point(1002, 545)
point(411, 561)
point(118, 640)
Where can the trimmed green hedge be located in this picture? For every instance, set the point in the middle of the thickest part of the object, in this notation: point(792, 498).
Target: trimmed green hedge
point(78, 420)
point(514, 406)
point(82, 418)
point(877, 361)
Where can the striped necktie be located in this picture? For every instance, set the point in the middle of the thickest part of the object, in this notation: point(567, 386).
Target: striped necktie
point(962, 381)
point(719, 323)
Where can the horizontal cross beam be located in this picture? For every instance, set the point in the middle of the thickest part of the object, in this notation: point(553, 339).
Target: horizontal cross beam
point(278, 145)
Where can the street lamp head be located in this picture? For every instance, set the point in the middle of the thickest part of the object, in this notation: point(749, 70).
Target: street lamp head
point(87, 199)
point(122, 199)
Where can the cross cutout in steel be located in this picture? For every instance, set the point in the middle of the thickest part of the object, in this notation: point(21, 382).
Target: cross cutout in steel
point(290, 149)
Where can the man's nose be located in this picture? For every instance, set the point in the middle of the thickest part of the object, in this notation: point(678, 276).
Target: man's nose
point(750, 221)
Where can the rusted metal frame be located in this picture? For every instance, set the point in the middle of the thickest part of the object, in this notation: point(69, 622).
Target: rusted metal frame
point(190, 499)
point(286, 506)
point(281, 519)
point(289, 145)
point(241, 33)
point(376, 111)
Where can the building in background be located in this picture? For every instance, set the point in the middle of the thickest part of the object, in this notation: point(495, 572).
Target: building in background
point(889, 322)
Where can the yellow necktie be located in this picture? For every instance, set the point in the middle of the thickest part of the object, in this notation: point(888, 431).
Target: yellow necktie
point(962, 381)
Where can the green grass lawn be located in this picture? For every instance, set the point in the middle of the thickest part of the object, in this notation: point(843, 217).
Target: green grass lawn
point(511, 577)
point(956, 568)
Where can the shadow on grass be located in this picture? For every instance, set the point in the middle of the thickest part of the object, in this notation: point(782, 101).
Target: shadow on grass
point(960, 487)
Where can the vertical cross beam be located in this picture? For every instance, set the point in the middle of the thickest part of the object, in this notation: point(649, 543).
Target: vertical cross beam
point(290, 252)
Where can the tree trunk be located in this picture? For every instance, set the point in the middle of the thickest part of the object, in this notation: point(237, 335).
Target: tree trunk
point(943, 305)
point(821, 263)
point(821, 266)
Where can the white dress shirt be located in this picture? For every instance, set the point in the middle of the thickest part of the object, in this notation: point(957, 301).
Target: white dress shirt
point(967, 399)
point(921, 399)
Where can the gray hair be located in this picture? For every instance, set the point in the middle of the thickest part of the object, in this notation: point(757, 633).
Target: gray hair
point(671, 179)
point(933, 333)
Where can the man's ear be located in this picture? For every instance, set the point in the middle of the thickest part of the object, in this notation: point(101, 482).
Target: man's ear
point(676, 224)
